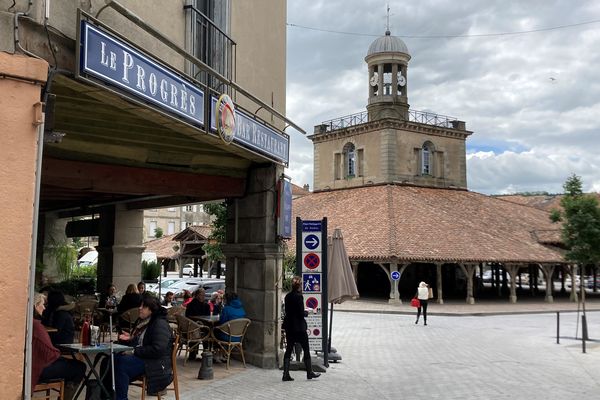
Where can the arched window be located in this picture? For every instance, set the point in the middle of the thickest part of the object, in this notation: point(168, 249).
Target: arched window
point(350, 160)
point(426, 159)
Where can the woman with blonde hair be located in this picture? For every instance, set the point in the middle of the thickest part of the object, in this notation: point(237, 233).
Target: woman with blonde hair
point(423, 296)
point(131, 299)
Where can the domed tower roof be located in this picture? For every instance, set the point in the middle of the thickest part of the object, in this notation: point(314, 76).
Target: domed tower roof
point(388, 44)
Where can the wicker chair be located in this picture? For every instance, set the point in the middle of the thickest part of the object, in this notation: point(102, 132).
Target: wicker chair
point(127, 319)
point(141, 380)
point(172, 315)
point(48, 388)
point(234, 331)
point(191, 334)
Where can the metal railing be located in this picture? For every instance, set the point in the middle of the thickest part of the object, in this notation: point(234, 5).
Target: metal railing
point(421, 117)
point(213, 47)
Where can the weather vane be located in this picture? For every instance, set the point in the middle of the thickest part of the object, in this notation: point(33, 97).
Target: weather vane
point(387, 27)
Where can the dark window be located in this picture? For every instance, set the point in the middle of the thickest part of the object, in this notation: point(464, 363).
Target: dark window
point(212, 45)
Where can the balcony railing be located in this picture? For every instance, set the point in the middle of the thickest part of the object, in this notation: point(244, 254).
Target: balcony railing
point(212, 46)
point(421, 117)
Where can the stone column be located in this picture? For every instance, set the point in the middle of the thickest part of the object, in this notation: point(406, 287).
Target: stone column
point(438, 277)
point(21, 80)
point(380, 83)
point(395, 81)
point(548, 271)
point(469, 271)
point(394, 292)
point(573, 273)
point(512, 270)
point(254, 263)
point(121, 259)
point(354, 265)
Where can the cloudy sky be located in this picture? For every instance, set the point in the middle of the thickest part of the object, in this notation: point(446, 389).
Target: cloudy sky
point(531, 99)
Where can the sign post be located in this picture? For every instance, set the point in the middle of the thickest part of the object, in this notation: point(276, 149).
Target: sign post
point(311, 265)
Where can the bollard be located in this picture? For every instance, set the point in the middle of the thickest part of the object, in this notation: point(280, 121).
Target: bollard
point(557, 327)
point(206, 369)
point(584, 335)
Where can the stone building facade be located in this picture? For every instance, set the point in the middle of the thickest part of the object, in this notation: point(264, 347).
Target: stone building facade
point(90, 131)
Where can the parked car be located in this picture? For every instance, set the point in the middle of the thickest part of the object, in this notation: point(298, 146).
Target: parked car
point(164, 285)
point(192, 284)
point(188, 270)
point(589, 283)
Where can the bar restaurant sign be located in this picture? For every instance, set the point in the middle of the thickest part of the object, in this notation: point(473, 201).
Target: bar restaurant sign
point(251, 133)
point(112, 60)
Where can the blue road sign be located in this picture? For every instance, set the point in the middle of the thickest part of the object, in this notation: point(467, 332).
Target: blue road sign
point(311, 242)
point(311, 283)
point(395, 275)
point(312, 226)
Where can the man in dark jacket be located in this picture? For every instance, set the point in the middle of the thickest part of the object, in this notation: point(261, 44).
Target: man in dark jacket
point(295, 330)
point(198, 306)
point(153, 343)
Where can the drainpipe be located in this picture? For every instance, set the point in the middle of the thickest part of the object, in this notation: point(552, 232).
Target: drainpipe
point(31, 291)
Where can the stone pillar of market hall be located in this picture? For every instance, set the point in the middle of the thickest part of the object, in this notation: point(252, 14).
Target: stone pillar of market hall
point(254, 263)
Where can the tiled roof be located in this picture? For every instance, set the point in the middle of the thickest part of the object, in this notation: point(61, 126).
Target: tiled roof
point(194, 232)
point(415, 224)
point(298, 191)
point(543, 202)
point(163, 247)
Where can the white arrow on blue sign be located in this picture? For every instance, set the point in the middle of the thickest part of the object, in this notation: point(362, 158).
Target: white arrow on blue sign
point(395, 275)
point(311, 242)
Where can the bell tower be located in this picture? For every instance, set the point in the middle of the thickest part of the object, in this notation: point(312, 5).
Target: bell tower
point(387, 60)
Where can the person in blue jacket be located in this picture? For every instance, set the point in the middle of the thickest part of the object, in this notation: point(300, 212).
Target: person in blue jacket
point(233, 309)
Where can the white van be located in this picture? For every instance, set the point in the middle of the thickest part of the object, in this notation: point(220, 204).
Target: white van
point(89, 258)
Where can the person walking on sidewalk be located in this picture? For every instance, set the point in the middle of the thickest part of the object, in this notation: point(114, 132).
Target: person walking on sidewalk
point(423, 296)
point(295, 330)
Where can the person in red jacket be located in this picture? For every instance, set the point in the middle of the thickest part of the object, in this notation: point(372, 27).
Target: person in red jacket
point(46, 362)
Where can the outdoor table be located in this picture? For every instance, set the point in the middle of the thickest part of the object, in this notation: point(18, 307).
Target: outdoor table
point(86, 352)
point(207, 320)
point(210, 321)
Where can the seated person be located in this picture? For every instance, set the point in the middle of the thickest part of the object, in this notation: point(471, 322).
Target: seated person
point(141, 287)
point(187, 297)
point(131, 299)
point(108, 299)
point(58, 315)
point(168, 300)
point(46, 362)
point(232, 309)
point(153, 343)
point(216, 302)
point(198, 306)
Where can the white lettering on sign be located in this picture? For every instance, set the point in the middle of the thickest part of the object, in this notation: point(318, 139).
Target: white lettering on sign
point(108, 59)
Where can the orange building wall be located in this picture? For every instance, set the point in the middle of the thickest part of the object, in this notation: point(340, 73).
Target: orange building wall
point(20, 88)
